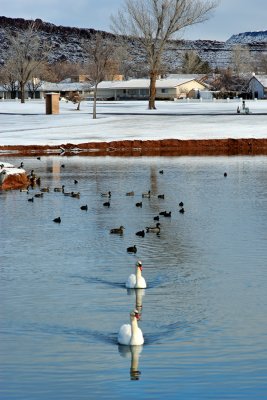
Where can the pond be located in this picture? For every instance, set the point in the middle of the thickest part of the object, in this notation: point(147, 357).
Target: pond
point(63, 295)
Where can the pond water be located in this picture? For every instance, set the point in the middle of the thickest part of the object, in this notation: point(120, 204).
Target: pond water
point(62, 289)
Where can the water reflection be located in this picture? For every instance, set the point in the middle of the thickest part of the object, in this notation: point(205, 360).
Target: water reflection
point(71, 294)
point(138, 293)
point(134, 352)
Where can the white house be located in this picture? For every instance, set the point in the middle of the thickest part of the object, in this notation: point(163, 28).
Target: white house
point(63, 88)
point(258, 86)
point(167, 88)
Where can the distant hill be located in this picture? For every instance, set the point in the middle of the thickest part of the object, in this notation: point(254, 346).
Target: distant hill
point(249, 38)
point(65, 43)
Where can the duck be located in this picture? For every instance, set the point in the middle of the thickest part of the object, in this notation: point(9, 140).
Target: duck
point(182, 210)
point(32, 174)
point(146, 195)
point(139, 204)
point(132, 249)
point(59, 189)
point(181, 204)
point(117, 230)
point(85, 208)
point(130, 193)
point(140, 233)
point(154, 229)
point(108, 194)
point(39, 195)
point(136, 281)
point(161, 196)
point(75, 181)
point(161, 171)
point(167, 214)
point(66, 193)
point(31, 199)
point(75, 194)
point(57, 220)
point(106, 204)
point(32, 177)
point(45, 189)
point(225, 174)
point(131, 334)
point(156, 218)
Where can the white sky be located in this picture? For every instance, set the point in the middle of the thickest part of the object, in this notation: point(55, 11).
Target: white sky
point(230, 17)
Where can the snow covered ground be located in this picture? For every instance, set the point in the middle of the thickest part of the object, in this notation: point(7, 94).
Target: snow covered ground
point(27, 124)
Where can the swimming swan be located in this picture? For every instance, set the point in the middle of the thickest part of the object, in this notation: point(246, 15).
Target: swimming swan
point(131, 334)
point(136, 281)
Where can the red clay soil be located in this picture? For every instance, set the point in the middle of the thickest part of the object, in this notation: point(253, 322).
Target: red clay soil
point(15, 181)
point(165, 147)
point(137, 148)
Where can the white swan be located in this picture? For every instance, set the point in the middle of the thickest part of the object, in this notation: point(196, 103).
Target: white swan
point(131, 334)
point(136, 281)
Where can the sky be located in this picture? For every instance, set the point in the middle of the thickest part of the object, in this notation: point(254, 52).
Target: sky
point(230, 17)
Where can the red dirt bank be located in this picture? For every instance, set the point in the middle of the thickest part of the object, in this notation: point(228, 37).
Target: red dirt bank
point(165, 147)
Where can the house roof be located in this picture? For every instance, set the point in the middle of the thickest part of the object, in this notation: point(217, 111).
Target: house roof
point(186, 76)
point(59, 87)
point(64, 86)
point(144, 83)
point(262, 79)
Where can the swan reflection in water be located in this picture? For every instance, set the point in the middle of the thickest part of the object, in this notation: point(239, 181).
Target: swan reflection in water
point(134, 352)
point(139, 293)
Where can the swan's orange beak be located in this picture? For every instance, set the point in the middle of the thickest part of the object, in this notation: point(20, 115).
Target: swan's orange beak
point(137, 316)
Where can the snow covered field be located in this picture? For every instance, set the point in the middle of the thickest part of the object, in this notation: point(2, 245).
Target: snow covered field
point(27, 124)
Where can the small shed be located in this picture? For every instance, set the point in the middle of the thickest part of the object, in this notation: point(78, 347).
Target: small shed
point(52, 103)
point(258, 86)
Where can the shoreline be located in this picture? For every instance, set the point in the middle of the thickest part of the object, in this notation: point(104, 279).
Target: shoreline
point(135, 148)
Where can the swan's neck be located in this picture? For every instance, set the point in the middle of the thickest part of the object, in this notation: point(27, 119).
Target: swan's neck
point(134, 326)
point(138, 275)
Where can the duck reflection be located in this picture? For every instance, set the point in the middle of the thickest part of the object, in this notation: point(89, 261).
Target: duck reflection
point(138, 293)
point(134, 352)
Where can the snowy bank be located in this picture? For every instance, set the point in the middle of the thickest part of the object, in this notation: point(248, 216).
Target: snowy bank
point(130, 121)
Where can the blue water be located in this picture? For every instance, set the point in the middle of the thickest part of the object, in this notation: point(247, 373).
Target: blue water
point(62, 290)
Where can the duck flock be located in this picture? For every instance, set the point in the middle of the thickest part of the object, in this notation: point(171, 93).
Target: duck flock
point(129, 334)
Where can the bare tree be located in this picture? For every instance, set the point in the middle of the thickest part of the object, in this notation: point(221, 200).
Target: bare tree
point(101, 55)
point(153, 22)
point(192, 64)
point(8, 81)
point(76, 98)
point(26, 53)
point(262, 64)
point(241, 59)
point(229, 84)
point(63, 70)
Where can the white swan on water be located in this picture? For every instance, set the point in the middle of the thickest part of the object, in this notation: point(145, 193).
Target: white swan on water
point(136, 281)
point(131, 334)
